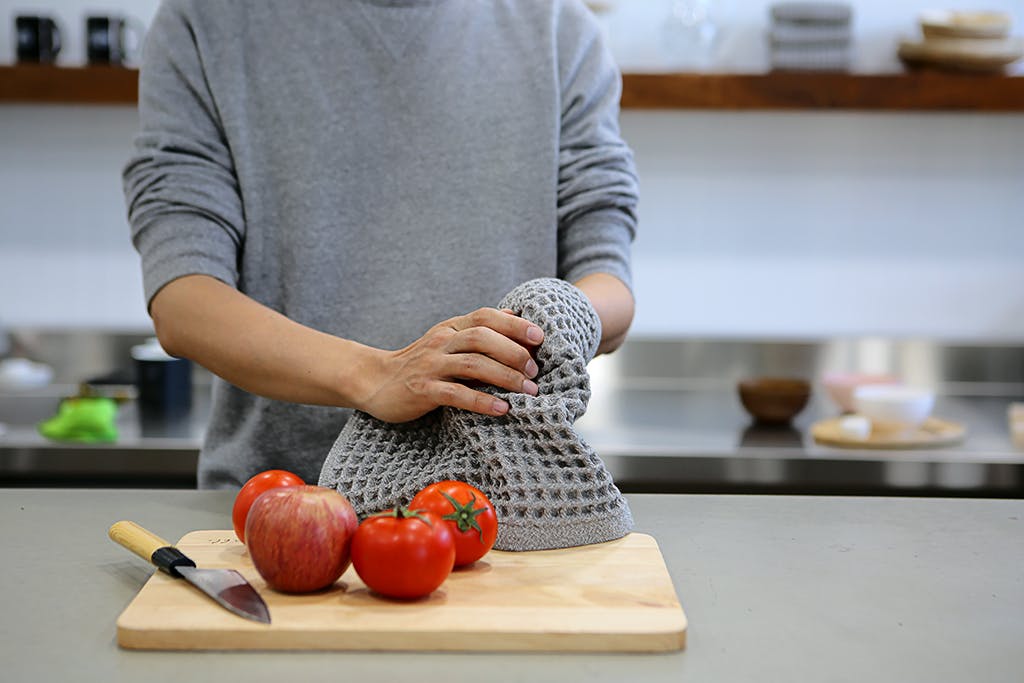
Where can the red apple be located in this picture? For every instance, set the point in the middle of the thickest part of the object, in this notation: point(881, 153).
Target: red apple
point(300, 537)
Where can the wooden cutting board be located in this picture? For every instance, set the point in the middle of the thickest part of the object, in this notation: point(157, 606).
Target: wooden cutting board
point(932, 433)
point(607, 597)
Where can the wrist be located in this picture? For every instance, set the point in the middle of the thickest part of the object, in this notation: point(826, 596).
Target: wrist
point(614, 304)
point(354, 379)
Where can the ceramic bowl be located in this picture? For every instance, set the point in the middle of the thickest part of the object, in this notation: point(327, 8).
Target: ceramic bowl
point(893, 407)
point(774, 400)
point(841, 385)
point(969, 24)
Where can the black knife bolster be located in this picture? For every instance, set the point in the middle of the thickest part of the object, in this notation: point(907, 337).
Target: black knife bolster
point(169, 559)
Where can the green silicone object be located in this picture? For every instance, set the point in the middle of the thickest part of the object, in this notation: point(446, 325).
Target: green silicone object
point(83, 420)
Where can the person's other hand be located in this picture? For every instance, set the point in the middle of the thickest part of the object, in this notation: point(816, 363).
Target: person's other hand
point(486, 346)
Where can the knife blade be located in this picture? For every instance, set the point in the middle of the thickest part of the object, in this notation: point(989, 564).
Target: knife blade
point(226, 586)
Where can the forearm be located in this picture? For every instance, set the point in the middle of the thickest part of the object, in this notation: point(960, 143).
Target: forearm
point(257, 348)
point(265, 353)
point(614, 304)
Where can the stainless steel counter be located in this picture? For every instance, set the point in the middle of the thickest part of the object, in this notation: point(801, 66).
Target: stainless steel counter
point(664, 416)
point(152, 449)
point(699, 439)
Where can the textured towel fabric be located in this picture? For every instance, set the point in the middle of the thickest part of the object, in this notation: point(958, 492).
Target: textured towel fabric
point(549, 488)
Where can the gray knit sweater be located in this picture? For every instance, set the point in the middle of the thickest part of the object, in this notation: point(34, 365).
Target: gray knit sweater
point(369, 168)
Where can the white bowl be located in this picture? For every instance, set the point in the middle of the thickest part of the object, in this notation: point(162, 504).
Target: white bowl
point(891, 406)
point(22, 373)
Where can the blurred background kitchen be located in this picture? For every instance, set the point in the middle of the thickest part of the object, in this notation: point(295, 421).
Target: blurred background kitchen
point(814, 208)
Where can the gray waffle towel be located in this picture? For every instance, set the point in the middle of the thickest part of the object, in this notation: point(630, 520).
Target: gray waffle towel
point(549, 488)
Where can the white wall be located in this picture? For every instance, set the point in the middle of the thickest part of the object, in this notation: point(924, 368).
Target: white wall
point(65, 256)
point(65, 259)
point(753, 224)
point(830, 223)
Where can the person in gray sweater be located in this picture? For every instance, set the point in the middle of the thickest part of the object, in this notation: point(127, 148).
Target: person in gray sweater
point(329, 197)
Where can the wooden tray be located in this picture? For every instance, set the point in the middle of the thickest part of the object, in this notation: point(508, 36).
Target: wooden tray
point(965, 54)
point(931, 434)
point(606, 597)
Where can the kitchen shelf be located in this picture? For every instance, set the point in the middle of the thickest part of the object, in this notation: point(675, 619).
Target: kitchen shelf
point(39, 84)
point(920, 90)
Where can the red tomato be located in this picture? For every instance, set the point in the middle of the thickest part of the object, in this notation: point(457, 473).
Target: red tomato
point(403, 553)
point(469, 515)
point(251, 490)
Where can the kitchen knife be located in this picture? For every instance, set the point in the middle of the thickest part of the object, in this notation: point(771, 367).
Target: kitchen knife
point(226, 586)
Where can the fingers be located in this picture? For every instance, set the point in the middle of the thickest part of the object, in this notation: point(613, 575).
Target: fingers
point(500, 335)
point(442, 368)
point(496, 346)
point(490, 347)
point(475, 366)
point(460, 396)
point(503, 322)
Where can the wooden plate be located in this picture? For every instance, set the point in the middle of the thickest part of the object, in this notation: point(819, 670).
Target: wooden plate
point(932, 433)
point(967, 55)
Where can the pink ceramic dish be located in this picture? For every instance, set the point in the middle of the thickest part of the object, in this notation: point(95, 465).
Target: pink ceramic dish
point(841, 385)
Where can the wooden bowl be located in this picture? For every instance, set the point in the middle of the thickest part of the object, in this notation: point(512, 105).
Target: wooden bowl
point(774, 400)
point(962, 54)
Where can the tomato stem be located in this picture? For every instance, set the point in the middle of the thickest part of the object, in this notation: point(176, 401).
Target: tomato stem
point(465, 516)
point(403, 512)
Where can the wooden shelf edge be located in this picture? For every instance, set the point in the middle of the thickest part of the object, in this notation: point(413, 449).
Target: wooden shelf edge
point(914, 90)
point(920, 90)
point(45, 84)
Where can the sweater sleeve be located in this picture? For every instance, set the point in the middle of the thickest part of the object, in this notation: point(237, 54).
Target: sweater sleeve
point(180, 185)
point(597, 183)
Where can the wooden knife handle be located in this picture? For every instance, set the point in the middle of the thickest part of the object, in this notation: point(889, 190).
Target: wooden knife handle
point(149, 547)
point(140, 541)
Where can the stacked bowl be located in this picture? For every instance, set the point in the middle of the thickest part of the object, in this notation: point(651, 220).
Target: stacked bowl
point(965, 41)
point(810, 36)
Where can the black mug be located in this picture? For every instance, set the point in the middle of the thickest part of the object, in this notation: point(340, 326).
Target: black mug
point(164, 382)
point(107, 40)
point(37, 38)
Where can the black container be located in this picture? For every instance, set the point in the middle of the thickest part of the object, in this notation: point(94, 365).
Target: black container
point(37, 39)
point(164, 382)
point(108, 39)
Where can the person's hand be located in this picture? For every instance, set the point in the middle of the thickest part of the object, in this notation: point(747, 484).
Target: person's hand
point(486, 346)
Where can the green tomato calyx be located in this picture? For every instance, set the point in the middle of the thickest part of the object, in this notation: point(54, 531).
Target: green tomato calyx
point(402, 512)
point(465, 516)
